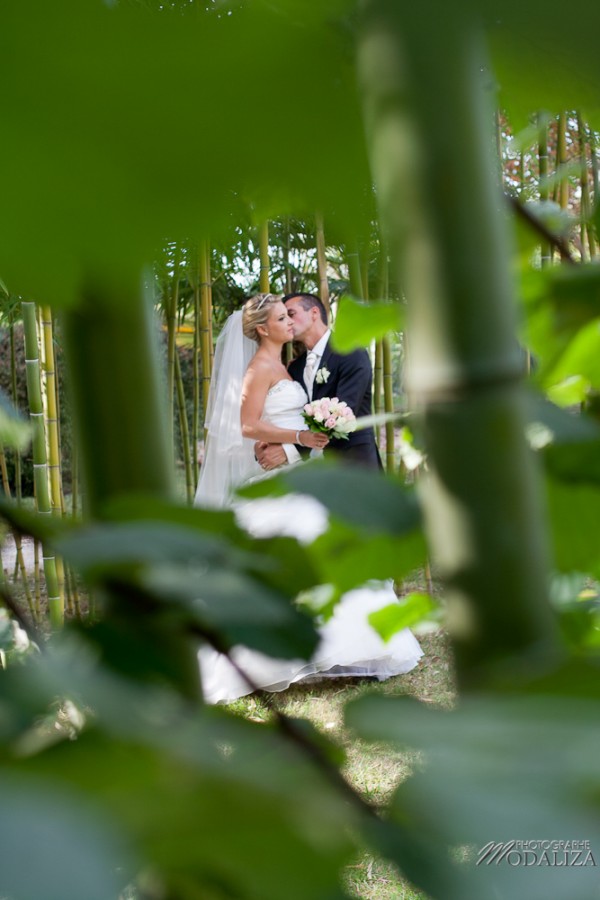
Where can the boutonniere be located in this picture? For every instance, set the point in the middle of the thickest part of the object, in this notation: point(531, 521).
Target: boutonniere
point(322, 375)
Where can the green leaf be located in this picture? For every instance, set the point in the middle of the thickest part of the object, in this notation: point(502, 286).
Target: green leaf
point(368, 500)
point(481, 764)
point(215, 805)
point(569, 442)
point(550, 425)
point(41, 527)
point(205, 579)
point(569, 392)
point(559, 302)
point(347, 558)
point(357, 324)
point(407, 612)
point(88, 149)
point(38, 820)
point(580, 359)
point(15, 431)
point(574, 516)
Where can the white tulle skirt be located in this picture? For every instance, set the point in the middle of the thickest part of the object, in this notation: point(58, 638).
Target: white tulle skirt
point(349, 647)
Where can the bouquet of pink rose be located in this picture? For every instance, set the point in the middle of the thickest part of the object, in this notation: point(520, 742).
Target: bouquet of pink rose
point(330, 416)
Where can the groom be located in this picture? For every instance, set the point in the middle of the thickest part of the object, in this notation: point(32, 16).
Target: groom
point(324, 373)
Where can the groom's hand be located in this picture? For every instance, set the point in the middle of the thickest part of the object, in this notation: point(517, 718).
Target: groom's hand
point(270, 456)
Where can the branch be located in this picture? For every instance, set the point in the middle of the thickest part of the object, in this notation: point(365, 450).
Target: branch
point(553, 239)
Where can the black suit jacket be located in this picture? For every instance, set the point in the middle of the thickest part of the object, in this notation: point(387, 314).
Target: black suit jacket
point(350, 379)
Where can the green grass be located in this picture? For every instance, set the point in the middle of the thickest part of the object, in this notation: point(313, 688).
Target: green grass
point(373, 770)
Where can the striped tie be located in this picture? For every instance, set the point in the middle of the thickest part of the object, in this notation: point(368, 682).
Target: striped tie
point(309, 371)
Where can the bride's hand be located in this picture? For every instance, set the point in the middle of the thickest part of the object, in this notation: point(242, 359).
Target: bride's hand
point(314, 440)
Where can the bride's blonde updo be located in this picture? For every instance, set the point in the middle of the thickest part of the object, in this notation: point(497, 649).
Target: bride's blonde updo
point(255, 312)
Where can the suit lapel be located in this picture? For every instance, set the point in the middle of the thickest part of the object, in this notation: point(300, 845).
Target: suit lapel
point(296, 368)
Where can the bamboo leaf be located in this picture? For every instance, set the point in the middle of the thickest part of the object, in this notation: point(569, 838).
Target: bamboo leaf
point(347, 558)
point(378, 419)
point(393, 618)
point(581, 359)
point(204, 579)
point(367, 500)
point(357, 324)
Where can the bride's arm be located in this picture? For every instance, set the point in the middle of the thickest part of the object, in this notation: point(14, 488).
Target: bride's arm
point(254, 392)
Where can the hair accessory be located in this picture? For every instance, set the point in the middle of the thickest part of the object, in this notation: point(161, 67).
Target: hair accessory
point(263, 300)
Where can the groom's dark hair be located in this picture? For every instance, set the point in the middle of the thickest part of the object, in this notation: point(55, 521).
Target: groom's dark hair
point(307, 301)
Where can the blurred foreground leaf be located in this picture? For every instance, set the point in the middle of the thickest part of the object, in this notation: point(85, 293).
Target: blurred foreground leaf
point(202, 579)
point(38, 819)
point(410, 610)
point(101, 161)
point(14, 429)
point(215, 806)
point(357, 324)
point(495, 769)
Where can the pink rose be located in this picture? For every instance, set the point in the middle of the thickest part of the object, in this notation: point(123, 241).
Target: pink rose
point(330, 422)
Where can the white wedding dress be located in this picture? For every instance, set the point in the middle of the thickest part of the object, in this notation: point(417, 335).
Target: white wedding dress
point(349, 646)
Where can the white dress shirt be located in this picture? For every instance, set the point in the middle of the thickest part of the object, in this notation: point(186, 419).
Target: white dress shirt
point(290, 449)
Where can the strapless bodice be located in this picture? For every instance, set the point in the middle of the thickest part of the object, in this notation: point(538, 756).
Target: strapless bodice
point(284, 403)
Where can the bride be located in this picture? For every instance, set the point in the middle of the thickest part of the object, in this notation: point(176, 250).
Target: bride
point(253, 398)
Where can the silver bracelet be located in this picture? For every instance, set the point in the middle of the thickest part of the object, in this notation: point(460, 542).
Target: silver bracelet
point(298, 441)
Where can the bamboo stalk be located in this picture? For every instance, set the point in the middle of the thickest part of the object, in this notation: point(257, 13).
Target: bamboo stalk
point(52, 430)
point(263, 244)
point(354, 271)
point(480, 497)
point(205, 333)
point(378, 385)
point(171, 299)
point(388, 375)
point(15, 400)
point(561, 160)
point(288, 350)
point(123, 444)
point(19, 558)
point(4, 472)
point(286, 251)
point(546, 251)
point(40, 468)
point(184, 428)
point(594, 159)
point(211, 342)
point(37, 581)
point(587, 232)
point(322, 264)
point(388, 383)
point(74, 481)
point(52, 426)
point(67, 591)
point(196, 367)
point(522, 172)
